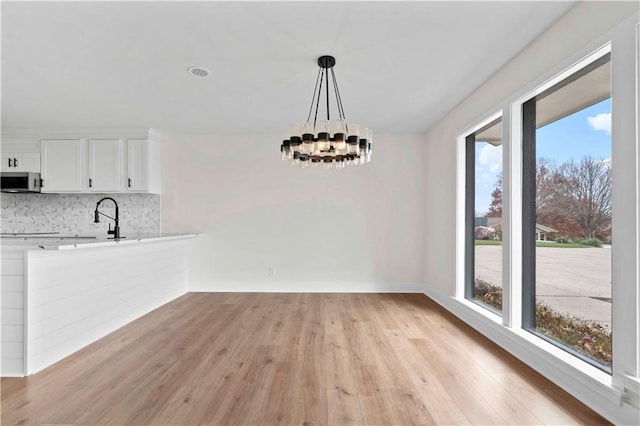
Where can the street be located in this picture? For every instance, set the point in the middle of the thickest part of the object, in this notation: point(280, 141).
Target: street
point(573, 281)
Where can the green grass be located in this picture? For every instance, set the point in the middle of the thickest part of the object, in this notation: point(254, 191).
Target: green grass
point(488, 242)
point(560, 245)
point(587, 337)
point(538, 244)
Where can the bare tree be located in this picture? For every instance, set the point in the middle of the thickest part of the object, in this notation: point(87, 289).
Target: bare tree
point(545, 171)
point(582, 193)
point(495, 207)
point(546, 175)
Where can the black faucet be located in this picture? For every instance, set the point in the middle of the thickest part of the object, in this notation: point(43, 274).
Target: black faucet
point(116, 230)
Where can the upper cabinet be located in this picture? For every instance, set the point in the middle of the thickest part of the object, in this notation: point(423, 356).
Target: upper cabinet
point(138, 164)
point(100, 165)
point(143, 166)
point(105, 165)
point(20, 162)
point(62, 165)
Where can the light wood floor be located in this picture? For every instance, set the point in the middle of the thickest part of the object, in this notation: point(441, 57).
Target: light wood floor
point(242, 359)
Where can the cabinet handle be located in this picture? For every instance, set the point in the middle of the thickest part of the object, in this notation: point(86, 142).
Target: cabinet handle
point(9, 159)
point(129, 183)
point(41, 183)
point(15, 162)
point(90, 183)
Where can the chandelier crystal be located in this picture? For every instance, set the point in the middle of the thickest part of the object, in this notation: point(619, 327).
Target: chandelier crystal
point(327, 143)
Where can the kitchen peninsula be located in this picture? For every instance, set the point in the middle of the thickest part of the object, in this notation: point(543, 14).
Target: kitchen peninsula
point(61, 294)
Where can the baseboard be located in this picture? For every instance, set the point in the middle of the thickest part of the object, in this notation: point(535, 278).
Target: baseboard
point(602, 398)
point(304, 287)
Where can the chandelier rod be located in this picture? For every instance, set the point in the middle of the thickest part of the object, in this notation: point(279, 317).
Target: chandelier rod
point(315, 89)
point(338, 98)
point(317, 103)
point(326, 72)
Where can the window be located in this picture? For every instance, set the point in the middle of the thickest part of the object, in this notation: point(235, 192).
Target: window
point(483, 201)
point(566, 230)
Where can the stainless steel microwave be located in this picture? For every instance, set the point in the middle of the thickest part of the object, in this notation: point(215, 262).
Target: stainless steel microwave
point(20, 182)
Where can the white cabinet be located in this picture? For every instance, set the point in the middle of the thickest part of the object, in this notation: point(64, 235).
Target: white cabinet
point(62, 162)
point(143, 166)
point(100, 165)
point(20, 162)
point(137, 164)
point(105, 165)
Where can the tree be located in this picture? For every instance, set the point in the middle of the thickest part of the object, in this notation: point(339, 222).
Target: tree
point(582, 193)
point(546, 175)
point(544, 189)
point(495, 207)
point(574, 198)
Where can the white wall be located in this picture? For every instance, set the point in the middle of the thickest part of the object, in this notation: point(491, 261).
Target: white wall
point(353, 229)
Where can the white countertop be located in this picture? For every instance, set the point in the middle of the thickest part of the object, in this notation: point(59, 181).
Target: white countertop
point(66, 242)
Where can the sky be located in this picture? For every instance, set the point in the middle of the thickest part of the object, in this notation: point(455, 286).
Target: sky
point(584, 133)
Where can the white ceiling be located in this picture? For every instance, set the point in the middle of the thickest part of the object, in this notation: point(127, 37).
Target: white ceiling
point(400, 66)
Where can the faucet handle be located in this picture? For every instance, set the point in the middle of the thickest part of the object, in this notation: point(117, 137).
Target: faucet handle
point(110, 232)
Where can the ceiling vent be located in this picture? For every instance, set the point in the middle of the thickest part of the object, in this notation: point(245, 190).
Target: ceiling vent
point(199, 71)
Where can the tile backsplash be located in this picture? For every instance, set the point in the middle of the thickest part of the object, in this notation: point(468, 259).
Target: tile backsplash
point(74, 213)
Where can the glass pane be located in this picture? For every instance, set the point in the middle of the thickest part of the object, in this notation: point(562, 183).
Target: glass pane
point(488, 217)
point(573, 215)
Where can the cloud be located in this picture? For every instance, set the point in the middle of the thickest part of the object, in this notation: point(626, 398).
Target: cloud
point(601, 122)
point(490, 156)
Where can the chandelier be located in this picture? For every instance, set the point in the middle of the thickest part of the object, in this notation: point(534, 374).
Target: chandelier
point(327, 143)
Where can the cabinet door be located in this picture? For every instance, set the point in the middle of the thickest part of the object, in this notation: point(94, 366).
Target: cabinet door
point(62, 165)
point(137, 165)
point(6, 163)
point(104, 165)
point(16, 162)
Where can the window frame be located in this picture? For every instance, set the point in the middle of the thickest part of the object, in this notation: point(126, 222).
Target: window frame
point(466, 215)
point(529, 170)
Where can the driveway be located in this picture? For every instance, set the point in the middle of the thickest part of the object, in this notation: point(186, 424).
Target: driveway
point(574, 281)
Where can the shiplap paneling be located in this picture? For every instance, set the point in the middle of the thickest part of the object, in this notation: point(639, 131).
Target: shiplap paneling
point(12, 300)
point(12, 267)
point(11, 333)
point(13, 317)
point(79, 296)
point(12, 283)
point(12, 313)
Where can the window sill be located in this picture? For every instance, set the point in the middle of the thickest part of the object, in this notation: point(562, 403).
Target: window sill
point(566, 357)
point(632, 384)
point(476, 307)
